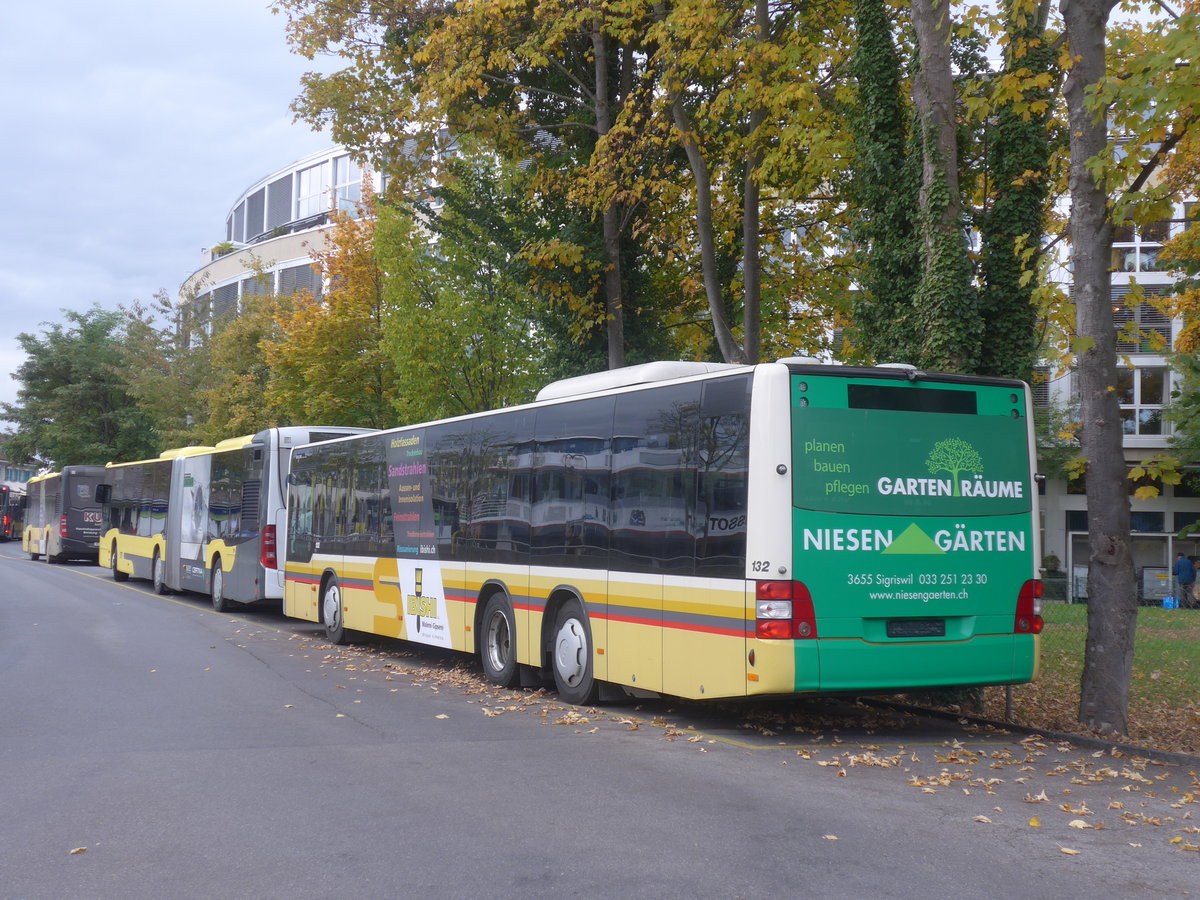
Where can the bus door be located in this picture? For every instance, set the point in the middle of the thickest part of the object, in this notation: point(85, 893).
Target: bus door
point(187, 533)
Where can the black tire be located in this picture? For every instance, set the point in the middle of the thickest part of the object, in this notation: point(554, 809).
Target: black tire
point(216, 587)
point(158, 574)
point(51, 560)
point(498, 641)
point(571, 654)
point(331, 612)
point(112, 562)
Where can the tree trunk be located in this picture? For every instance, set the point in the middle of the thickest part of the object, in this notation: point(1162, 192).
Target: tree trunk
point(614, 311)
point(1112, 603)
point(731, 350)
point(934, 97)
point(946, 303)
point(751, 216)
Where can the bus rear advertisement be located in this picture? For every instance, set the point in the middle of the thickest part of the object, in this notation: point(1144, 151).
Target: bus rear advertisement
point(62, 515)
point(698, 530)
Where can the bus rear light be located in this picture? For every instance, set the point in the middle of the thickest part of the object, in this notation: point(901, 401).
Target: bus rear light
point(784, 611)
point(62, 526)
point(268, 555)
point(1028, 619)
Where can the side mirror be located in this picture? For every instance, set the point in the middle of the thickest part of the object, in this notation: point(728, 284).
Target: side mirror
point(103, 493)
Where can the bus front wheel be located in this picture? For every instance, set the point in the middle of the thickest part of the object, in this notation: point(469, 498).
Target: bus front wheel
point(499, 641)
point(217, 587)
point(158, 574)
point(332, 613)
point(572, 654)
point(117, 574)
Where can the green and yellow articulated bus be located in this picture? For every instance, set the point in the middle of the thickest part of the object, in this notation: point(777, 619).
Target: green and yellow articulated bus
point(698, 530)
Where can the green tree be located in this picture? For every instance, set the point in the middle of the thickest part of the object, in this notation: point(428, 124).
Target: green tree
point(1019, 147)
point(236, 396)
point(459, 324)
point(166, 366)
point(328, 360)
point(73, 406)
point(883, 188)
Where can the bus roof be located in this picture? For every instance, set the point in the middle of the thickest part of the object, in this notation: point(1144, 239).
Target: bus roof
point(630, 375)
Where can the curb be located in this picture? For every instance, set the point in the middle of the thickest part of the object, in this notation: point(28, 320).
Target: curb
point(1080, 740)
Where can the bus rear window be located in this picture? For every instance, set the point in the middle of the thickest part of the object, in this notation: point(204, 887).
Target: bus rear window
point(909, 450)
point(910, 399)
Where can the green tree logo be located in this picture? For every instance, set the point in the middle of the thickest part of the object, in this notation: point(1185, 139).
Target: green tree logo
point(955, 456)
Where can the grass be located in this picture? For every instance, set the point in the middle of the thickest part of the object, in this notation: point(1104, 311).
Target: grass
point(1164, 692)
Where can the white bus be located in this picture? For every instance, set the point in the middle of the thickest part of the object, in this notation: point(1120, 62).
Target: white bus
point(204, 519)
point(698, 530)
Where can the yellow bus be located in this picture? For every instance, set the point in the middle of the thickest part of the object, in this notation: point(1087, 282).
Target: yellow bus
point(12, 510)
point(204, 519)
point(698, 530)
point(63, 515)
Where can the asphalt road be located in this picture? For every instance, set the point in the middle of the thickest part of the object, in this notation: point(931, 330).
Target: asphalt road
point(150, 747)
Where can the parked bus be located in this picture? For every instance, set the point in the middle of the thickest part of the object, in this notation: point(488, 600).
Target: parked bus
point(12, 509)
point(204, 519)
point(697, 530)
point(62, 515)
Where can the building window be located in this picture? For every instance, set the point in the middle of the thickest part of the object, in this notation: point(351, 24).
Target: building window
point(1189, 483)
point(1147, 522)
point(1142, 393)
point(1184, 519)
point(347, 184)
point(1145, 328)
point(1136, 250)
point(312, 191)
point(1039, 386)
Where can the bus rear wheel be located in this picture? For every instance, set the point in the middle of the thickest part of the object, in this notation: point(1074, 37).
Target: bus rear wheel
point(498, 640)
point(216, 588)
point(572, 654)
point(117, 574)
point(158, 574)
point(332, 613)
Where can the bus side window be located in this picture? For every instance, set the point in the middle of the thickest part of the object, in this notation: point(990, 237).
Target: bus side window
point(722, 484)
point(300, 515)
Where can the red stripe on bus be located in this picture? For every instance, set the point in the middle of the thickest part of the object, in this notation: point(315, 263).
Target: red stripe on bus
point(679, 626)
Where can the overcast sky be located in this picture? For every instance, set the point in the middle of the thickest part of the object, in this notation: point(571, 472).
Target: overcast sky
point(129, 128)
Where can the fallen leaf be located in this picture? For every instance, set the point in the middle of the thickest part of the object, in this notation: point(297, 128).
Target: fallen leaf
point(1078, 823)
point(828, 837)
point(1034, 823)
point(1068, 851)
point(78, 850)
point(441, 716)
point(984, 819)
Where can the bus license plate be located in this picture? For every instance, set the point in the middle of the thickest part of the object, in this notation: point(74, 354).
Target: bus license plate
point(916, 628)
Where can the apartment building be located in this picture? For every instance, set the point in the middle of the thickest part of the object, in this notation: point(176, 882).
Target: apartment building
point(1144, 391)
